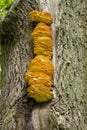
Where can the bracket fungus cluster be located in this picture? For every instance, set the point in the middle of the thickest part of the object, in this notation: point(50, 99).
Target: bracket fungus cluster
point(39, 75)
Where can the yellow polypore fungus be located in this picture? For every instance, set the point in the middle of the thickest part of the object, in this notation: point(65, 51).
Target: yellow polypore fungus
point(42, 39)
point(41, 64)
point(42, 51)
point(43, 46)
point(41, 30)
point(40, 69)
point(44, 42)
point(40, 92)
point(38, 78)
point(37, 16)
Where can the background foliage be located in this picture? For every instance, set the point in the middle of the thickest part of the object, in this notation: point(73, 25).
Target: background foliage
point(3, 5)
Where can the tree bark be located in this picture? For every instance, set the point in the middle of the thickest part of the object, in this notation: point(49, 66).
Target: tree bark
point(18, 111)
point(17, 51)
point(68, 109)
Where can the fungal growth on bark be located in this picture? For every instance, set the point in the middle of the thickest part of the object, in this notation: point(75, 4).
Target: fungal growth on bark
point(40, 70)
point(41, 17)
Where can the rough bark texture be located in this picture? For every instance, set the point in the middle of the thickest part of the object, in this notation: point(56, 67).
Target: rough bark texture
point(16, 53)
point(69, 110)
point(69, 106)
point(18, 112)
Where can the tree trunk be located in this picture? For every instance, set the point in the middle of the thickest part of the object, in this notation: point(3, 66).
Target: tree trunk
point(67, 111)
point(16, 53)
point(69, 108)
